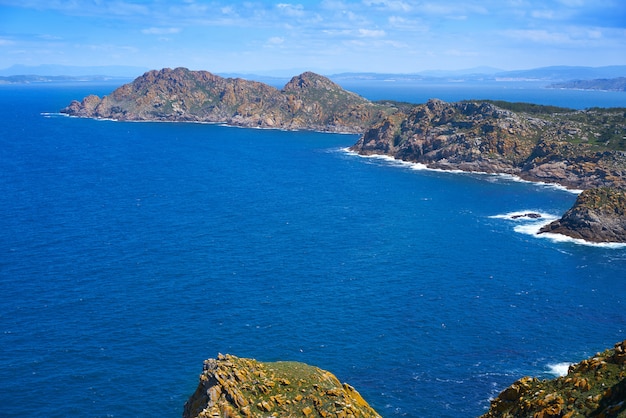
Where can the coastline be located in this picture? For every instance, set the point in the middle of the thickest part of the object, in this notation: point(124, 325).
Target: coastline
point(526, 226)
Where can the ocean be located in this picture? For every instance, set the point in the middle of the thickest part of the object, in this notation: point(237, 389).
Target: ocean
point(131, 252)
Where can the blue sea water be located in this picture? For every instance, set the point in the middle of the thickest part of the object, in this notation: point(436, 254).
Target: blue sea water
point(131, 252)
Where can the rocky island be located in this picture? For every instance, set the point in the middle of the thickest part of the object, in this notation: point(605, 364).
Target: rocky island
point(308, 102)
point(576, 149)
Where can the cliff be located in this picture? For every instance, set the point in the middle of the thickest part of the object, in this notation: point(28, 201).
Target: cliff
point(309, 101)
point(595, 387)
point(237, 387)
point(576, 149)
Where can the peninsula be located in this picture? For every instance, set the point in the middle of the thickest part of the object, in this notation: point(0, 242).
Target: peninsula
point(576, 149)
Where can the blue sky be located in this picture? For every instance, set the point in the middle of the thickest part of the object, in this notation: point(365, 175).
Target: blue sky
point(396, 36)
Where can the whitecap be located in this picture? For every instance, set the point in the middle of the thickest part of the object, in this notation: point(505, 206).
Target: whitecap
point(559, 238)
point(559, 369)
point(421, 166)
point(528, 226)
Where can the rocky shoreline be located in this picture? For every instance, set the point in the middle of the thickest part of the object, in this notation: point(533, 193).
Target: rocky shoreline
point(583, 150)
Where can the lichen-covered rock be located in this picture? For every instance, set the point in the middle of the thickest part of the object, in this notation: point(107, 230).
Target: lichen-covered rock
point(238, 387)
point(599, 215)
point(595, 387)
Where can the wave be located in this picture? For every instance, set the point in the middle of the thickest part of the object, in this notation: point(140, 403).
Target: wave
point(53, 115)
point(530, 224)
point(559, 369)
point(421, 166)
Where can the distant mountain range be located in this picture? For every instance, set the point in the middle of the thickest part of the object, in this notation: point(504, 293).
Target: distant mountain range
point(606, 84)
point(74, 71)
point(548, 75)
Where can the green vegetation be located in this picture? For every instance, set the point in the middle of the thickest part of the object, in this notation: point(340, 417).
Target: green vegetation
point(531, 108)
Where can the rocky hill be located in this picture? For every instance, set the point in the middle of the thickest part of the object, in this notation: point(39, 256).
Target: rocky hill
point(309, 101)
point(237, 387)
point(595, 387)
point(577, 149)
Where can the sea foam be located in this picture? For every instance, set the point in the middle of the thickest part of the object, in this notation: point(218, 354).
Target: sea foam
point(559, 369)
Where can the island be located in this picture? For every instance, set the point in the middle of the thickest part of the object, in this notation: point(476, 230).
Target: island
point(578, 149)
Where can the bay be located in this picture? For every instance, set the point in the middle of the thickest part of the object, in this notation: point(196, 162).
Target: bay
point(130, 252)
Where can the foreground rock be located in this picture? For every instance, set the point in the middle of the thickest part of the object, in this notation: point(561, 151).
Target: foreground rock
point(599, 215)
point(308, 101)
point(237, 387)
point(592, 388)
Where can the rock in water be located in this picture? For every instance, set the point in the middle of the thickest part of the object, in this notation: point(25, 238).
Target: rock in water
point(595, 387)
point(599, 215)
point(238, 387)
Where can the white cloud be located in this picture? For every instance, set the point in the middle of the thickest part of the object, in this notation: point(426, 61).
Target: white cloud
point(291, 10)
point(276, 40)
point(538, 36)
point(392, 5)
point(160, 31)
point(543, 14)
point(371, 33)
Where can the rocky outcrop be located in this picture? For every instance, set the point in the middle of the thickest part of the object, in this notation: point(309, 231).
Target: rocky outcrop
point(595, 387)
point(309, 101)
point(237, 387)
point(599, 215)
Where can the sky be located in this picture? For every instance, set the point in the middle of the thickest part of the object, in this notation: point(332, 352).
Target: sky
point(329, 36)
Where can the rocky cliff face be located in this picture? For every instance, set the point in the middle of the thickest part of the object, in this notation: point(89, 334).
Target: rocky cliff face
point(308, 101)
point(592, 388)
point(479, 136)
point(237, 387)
point(599, 215)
